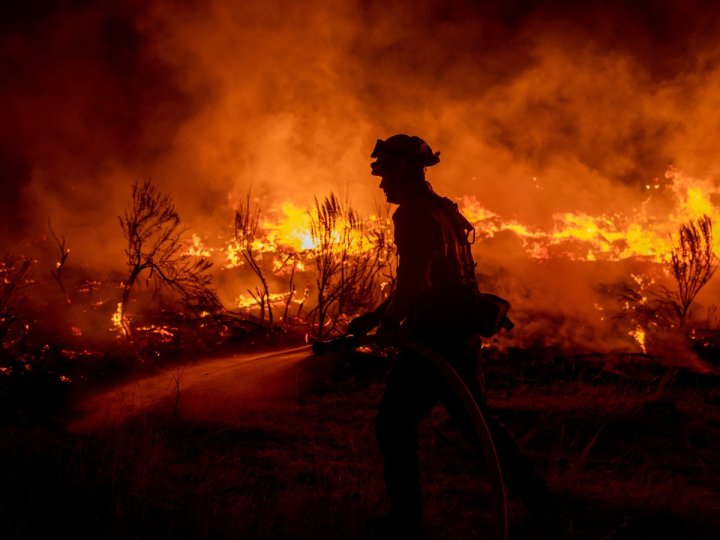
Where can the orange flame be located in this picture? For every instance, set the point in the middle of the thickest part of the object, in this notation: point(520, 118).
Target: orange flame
point(615, 237)
point(638, 334)
point(118, 319)
point(197, 248)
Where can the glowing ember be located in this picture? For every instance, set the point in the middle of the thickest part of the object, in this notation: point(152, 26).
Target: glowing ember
point(247, 301)
point(118, 319)
point(164, 334)
point(638, 334)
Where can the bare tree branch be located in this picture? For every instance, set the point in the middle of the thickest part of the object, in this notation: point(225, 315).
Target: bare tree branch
point(247, 218)
point(57, 272)
point(156, 245)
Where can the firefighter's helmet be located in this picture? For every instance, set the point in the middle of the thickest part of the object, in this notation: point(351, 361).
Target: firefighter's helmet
point(410, 149)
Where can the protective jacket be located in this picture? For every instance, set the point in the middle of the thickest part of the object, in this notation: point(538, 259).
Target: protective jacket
point(435, 261)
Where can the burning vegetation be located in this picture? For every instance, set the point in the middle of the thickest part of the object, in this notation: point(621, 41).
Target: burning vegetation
point(316, 269)
point(156, 246)
point(565, 177)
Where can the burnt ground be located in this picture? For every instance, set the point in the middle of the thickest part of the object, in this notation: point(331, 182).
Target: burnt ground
point(628, 445)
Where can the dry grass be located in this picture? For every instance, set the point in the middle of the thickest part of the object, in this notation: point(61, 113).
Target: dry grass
point(629, 461)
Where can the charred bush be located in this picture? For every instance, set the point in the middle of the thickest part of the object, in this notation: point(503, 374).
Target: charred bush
point(14, 272)
point(157, 247)
point(692, 262)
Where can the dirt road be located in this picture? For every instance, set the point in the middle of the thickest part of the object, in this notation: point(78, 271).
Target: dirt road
point(223, 389)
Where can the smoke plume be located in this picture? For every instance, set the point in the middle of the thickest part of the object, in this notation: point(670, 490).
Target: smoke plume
point(537, 107)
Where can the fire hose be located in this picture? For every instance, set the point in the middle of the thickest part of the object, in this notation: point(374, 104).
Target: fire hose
point(477, 419)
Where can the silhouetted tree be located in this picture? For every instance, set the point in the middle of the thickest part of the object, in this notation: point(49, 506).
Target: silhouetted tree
point(156, 245)
point(57, 272)
point(347, 267)
point(293, 260)
point(247, 217)
point(692, 262)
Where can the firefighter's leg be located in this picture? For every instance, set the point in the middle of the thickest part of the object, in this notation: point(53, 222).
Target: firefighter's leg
point(518, 471)
point(410, 395)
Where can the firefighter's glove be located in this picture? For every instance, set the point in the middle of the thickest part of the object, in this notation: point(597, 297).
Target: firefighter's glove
point(388, 334)
point(361, 325)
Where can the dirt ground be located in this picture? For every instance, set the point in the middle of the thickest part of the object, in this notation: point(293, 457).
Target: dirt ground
point(629, 447)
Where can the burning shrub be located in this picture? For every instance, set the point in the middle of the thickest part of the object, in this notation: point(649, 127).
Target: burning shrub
point(349, 259)
point(13, 276)
point(157, 244)
point(650, 310)
point(57, 272)
point(692, 262)
point(348, 269)
point(31, 386)
point(246, 228)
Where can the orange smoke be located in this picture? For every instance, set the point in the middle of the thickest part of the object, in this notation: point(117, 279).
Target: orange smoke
point(555, 122)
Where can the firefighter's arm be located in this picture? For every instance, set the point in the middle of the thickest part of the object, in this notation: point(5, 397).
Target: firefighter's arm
point(367, 321)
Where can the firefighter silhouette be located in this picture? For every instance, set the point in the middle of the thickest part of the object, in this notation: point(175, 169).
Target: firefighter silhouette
point(436, 272)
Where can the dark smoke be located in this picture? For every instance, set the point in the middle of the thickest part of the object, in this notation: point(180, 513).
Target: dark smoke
point(81, 98)
point(207, 98)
